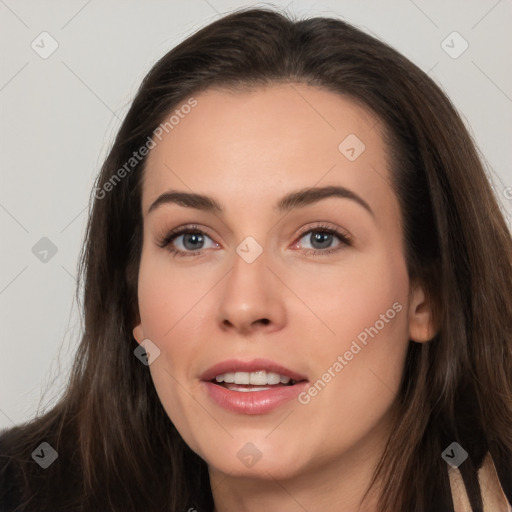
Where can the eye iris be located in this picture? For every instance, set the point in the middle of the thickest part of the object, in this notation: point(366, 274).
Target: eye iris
point(321, 237)
point(195, 238)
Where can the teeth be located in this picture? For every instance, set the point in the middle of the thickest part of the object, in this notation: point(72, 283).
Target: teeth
point(259, 378)
point(242, 378)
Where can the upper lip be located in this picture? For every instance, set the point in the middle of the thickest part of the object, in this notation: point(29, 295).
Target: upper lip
point(237, 365)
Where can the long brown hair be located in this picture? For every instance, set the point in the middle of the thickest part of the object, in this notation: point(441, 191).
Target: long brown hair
point(118, 450)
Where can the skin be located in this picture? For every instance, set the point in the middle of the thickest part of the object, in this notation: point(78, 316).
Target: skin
point(247, 150)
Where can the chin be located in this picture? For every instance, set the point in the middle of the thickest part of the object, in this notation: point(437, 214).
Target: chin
point(257, 459)
point(263, 470)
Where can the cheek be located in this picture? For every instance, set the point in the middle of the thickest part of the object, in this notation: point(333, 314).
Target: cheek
point(357, 367)
point(349, 299)
point(170, 307)
point(166, 295)
point(366, 350)
point(163, 310)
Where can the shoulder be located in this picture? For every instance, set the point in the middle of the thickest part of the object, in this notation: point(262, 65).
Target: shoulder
point(493, 497)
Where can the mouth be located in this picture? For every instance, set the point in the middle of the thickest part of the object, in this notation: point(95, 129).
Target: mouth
point(256, 373)
point(252, 387)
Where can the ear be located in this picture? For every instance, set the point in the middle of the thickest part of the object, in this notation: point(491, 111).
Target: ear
point(421, 323)
point(138, 333)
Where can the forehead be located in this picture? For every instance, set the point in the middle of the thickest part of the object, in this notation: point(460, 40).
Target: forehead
point(265, 141)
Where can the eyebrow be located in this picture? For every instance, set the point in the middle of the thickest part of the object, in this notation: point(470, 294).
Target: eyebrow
point(296, 199)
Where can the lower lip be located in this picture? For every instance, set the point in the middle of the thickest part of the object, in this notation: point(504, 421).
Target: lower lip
point(253, 402)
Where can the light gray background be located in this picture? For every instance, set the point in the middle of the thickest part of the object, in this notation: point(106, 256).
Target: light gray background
point(58, 117)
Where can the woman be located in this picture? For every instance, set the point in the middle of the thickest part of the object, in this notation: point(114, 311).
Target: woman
point(297, 293)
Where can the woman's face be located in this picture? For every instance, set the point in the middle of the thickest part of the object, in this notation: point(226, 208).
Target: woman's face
point(300, 273)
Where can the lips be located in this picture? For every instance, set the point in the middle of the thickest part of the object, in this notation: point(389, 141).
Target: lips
point(252, 387)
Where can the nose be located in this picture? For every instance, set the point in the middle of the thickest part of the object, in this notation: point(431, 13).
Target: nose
point(252, 299)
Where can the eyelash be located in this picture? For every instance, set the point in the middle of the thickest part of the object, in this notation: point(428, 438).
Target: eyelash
point(165, 241)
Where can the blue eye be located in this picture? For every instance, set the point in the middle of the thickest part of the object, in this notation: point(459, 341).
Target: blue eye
point(322, 237)
point(193, 240)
